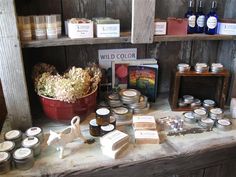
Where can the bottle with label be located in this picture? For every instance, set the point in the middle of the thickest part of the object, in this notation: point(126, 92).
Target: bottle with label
point(212, 20)
point(191, 18)
point(200, 16)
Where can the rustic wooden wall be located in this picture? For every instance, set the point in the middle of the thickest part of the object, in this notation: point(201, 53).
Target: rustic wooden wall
point(168, 53)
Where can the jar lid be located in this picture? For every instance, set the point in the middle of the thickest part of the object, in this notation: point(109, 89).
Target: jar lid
point(22, 153)
point(207, 121)
point(7, 146)
point(130, 93)
point(201, 65)
point(103, 111)
point(224, 122)
point(93, 123)
point(209, 102)
point(33, 131)
point(184, 65)
point(120, 110)
point(30, 142)
point(4, 156)
point(189, 115)
point(188, 97)
point(107, 128)
point(216, 111)
point(200, 112)
point(13, 134)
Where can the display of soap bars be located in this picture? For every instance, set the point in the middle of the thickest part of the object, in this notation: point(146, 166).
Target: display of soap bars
point(145, 131)
point(114, 143)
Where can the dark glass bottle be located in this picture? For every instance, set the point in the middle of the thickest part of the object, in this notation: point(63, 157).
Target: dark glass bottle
point(212, 20)
point(191, 18)
point(200, 18)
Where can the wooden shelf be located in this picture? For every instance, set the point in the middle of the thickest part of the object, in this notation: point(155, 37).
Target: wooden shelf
point(66, 41)
point(191, 37)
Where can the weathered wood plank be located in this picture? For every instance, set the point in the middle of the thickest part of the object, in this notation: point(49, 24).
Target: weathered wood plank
point(143, 12)
point(7, 18)
point(3, 109)
point(195, 173)
point(120, 10)
point(228, 169)
point(213, 171)
point(12, 70)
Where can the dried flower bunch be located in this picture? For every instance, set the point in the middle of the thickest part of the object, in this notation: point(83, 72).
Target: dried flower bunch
point(70, 86)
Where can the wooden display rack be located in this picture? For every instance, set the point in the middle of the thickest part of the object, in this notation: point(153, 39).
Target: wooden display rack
point(205, 85)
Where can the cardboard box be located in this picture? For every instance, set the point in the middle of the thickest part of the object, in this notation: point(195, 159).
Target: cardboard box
point(146, 137)
point(227, 27)
point(79, 30)
point(177, 26)
point(160, 27)
point(144, 123)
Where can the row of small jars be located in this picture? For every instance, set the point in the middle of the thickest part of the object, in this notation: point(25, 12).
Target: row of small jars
point(39, 27)
point(215, 117)
point(201, 67)
point(19, 152)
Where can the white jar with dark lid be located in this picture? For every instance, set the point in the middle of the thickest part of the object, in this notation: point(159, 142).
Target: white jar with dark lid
point(15, 136)
point(32, 143)
point(23, 158)
point(35, 131)
point(7, 146)
point(5, 162)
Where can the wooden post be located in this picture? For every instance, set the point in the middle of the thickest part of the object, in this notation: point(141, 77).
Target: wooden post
point(143, 14)
point(12, 69)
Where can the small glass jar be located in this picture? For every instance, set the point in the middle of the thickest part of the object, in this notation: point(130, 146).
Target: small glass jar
point(216, 67)
point(216, 113)
point(107, 128)
point(196, 103)
point(181, 103)
point(59, 28)
point(224, 124)
point(5, 162)
point(189, 117)
point(206, 123)
point(25, 28)
point(35, 131)
point(51, 26)
point(208, 104)
point(103, 116)
point(94, 128)
point(188, 99)
point(7, 146)
point(32, 143)
point(201, 67)
point(23, 158)
point(39, 27)
point(200, 114)
point(182, 67)
point(15, 136)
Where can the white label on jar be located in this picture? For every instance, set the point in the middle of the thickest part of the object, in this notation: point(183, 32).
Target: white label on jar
point(33, 131)
point(103, 111)
point(12, 134)
point(146, 134)
point(26, 34)
point(207, 121)
point(189, 115)
point(6, 146)
point(51, 31)
point(22, 153)
point(224, 122)
point(201, 64)
point(107, 128)
point(201, 21)
point(216, 111)
point(121, 110)
point(129, 93)
point(211, 22)
point(30, 141)
point(3, 156)
point(183, 65)
point(200, 112)
point(40, 32)
point(93, 123)
point(192, 21)
point(209, 102)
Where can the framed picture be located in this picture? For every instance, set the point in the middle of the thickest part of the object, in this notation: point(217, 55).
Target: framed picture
point(120, 70)
point(144, 79)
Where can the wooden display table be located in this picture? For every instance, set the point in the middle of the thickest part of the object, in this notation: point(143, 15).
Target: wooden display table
point(208, 154)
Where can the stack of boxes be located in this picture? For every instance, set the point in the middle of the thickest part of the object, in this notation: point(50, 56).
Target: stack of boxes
point(145, 130)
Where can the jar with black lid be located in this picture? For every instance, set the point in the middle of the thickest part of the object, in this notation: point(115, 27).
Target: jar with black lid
point(15, 136)
point(23, 158)
point(94, 128)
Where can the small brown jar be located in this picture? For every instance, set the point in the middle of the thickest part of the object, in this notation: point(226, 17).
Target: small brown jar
point(103, 116)
point(94, 128)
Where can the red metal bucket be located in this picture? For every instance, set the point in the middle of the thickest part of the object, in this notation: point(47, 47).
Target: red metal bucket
point(64, 112)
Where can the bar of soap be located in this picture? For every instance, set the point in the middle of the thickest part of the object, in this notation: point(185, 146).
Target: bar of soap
point(114, 140)
point(146, 137)
point(144, 123)
point(114, 154)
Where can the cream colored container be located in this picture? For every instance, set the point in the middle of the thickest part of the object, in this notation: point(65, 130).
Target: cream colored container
point(24, 25)
point(51, 26)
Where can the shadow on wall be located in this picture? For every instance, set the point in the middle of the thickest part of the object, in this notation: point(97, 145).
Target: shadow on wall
point(3, 110)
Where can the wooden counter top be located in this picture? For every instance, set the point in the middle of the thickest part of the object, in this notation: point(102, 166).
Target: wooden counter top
point(174, 155)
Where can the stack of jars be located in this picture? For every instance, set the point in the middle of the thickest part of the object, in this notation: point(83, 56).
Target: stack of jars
point(18, 150)
point(39, 27)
